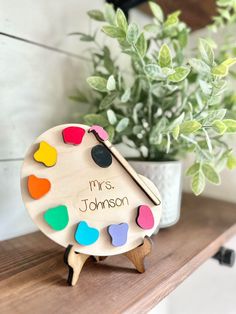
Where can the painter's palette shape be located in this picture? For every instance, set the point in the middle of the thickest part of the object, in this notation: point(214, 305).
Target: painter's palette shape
point(80, 192)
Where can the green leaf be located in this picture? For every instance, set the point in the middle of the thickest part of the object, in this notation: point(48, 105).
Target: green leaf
point(220, 70)
point(208, 140)
point(111, 116)
point(199, 66)
point(189, 127)
point(96, 15)
point(206, 52)
point(86, 38)
point(224, 3)
point(229, 62)
point(107, 100)
point(183, 38)
point(177, 121)
point(92, 118)
point(219, 126)
point(109, 13)
point(168, 143)
point(137, 129)
point(132, 33)
point(83, 37)
point(122, 125)
point(180, 74)
point(98, 83)
point(144, 151)
point(231, 162)
point(213, 115)
point(156, 131)
point(136, 111)
point(193, 169)
point(210, 173)
point(175, 132)
point(157, 11)
point(172, 19)
point(198, 183)
point(113, 31)
point(111, 132)
point(205, 87)
point(152, 28)
point(108, 62)
point(153, 71)
point(230, 124)
point(121, 20)
point(164, 57)
point(125, 97)
point(79, 96)
point(141, 45)
point(111, 83)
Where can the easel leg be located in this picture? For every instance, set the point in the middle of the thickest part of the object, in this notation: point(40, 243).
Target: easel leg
point(137, 255)
point(75, 262)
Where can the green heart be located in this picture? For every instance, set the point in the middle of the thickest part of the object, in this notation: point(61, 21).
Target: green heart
point(57, 217)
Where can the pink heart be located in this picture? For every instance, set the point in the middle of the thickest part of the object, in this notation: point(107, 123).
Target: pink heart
point(99, 132)
point(145, 218)
point(73, 135)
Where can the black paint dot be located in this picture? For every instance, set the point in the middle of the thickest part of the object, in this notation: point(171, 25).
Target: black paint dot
point(101, 155)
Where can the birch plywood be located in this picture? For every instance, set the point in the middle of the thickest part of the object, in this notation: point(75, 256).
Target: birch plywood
point(99, 196)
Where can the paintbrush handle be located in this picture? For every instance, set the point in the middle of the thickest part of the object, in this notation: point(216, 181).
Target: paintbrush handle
point(132, 172)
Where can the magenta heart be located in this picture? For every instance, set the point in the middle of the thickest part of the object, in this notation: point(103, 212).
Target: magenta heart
point(145, 219)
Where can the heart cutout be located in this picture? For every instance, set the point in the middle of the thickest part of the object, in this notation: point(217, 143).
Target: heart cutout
point(46, 154)
point(57, 217)
point(145, 218)
point(73, 135)
point(38, 187)
point(99, 132)
point(118, 233)
point(86, 235)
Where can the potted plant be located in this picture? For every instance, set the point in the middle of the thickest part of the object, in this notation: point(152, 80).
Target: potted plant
point(164, 103)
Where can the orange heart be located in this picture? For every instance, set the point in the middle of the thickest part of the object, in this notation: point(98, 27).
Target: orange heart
point(38, 187)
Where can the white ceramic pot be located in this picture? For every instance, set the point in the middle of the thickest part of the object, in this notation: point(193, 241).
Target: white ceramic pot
point(167, 176)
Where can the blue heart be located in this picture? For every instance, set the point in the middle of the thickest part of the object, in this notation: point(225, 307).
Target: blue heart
point(86, 235)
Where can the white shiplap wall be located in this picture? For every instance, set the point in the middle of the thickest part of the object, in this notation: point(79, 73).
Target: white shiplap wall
point(34, 89)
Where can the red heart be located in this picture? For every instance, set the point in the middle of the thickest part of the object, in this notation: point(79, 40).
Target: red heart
point(38, 187)
point(145, 218)
point(73, 135)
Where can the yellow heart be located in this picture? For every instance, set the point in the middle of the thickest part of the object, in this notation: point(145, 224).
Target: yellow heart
point(46, 154)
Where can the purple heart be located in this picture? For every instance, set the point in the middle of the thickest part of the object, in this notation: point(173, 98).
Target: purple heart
point(118, 233)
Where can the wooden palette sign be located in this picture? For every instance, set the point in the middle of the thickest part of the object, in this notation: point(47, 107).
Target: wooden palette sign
point(81, 192)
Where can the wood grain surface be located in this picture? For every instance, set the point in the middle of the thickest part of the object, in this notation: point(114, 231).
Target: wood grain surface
point(33, 275)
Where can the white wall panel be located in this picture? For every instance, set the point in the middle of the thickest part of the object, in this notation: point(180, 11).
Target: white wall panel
point(14, 217)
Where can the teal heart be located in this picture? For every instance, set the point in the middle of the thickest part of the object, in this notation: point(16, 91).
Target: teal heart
point(57, 217)
point(86, 235)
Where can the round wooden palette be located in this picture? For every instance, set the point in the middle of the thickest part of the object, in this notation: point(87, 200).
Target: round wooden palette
point(79, 193)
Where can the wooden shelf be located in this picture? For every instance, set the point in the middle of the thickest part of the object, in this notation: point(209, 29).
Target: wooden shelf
point(33, 275)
